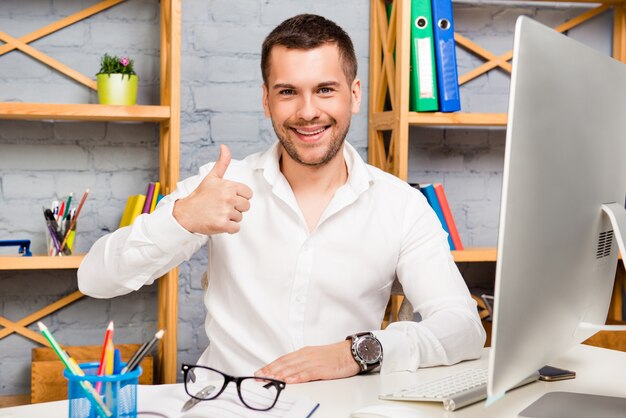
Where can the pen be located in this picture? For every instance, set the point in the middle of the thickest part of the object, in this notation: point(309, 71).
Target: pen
point(53, 235)
point(74, 369)
point(54, 231)
point(142, 352)
point(80, 206)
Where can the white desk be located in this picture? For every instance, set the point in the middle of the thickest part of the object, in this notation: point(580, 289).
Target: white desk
point(598, 371)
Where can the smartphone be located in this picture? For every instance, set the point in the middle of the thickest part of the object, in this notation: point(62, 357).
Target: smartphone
point(553, 374)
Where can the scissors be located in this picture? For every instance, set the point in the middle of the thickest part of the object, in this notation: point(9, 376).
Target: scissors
point(193, 401)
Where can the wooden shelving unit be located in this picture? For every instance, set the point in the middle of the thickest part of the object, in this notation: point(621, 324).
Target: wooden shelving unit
point(166, 114)
point(389, 115)
point(389, 78)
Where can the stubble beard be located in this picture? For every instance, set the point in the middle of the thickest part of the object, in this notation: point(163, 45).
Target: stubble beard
point(333, 146)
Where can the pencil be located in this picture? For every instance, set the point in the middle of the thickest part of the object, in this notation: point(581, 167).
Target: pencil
point(108, 335)
point(80, 206)
point(142, 352)
point(74, 369)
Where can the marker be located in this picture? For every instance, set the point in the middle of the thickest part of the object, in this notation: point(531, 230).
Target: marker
point(54, 207)
point(142, 352)
point(55, 232)
point(55, 241)
point(67, 206)
point(61, 210)
point(74, 369)
point(73, 224)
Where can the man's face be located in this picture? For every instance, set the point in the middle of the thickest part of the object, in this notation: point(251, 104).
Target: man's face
point(310, 102)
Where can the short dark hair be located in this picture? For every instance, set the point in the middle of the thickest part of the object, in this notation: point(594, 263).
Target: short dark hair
point(307, 31)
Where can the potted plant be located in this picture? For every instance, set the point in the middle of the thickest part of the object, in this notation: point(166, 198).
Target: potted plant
point(117, 81)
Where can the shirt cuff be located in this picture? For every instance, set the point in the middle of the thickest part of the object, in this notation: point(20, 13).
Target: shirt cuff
point(398, 352)
point(165, 232)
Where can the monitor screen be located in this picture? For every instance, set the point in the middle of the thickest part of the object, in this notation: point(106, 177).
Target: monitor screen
point(565, 158)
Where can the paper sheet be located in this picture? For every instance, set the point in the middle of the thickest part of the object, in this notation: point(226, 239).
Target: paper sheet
point(166, 401)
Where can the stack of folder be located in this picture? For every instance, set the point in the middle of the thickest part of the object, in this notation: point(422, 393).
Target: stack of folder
point(434, 79)
point(141, 203)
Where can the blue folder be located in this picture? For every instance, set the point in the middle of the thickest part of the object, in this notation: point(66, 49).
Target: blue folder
point(445, 56)
point(431, 196)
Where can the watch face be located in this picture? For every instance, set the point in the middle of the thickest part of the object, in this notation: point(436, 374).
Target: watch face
point(369, 350)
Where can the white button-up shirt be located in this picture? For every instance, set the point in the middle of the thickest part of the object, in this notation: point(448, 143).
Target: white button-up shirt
point(275, 287)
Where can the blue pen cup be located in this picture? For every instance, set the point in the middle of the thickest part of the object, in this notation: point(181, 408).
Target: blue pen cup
point(118, 393)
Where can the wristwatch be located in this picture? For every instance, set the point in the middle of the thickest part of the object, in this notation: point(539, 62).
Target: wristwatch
point(366, 350)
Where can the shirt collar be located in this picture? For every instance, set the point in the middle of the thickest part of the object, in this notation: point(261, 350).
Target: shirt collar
point(359, 176)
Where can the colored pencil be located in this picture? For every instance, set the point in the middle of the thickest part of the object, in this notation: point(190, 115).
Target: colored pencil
point(71, 365)
point(108, 336)
point(142, 352)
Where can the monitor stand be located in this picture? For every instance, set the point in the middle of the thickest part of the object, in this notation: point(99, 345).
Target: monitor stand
point(582, 405)
point(575, 405)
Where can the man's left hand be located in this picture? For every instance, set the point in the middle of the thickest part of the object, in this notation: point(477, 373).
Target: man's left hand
point(323, 362)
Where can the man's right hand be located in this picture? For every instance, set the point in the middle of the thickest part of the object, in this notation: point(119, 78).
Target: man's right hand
point(217, 205)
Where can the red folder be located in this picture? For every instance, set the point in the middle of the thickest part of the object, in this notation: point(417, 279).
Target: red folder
point(447, 214)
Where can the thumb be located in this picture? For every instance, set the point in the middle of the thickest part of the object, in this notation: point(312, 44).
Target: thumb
point(219, 169)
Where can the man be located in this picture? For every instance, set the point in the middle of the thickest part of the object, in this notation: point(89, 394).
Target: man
point(297, 287)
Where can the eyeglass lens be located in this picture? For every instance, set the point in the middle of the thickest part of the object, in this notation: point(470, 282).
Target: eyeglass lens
point(205, 383)
point(258, 393)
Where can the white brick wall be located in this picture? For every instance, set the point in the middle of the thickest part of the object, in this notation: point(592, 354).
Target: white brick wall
point(220, 102)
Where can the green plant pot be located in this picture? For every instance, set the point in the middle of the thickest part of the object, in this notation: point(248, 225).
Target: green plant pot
point(117, 89)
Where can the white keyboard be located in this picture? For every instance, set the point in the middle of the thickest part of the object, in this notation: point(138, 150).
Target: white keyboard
point(455, 391)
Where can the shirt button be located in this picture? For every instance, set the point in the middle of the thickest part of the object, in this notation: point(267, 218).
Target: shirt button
point(300, 298)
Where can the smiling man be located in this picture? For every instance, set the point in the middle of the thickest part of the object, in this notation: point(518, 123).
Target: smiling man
point(297, 287)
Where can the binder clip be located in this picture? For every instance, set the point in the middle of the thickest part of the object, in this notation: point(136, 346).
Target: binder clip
point(24, 245)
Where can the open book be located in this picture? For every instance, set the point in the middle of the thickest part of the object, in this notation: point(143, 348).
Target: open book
point(169, 399)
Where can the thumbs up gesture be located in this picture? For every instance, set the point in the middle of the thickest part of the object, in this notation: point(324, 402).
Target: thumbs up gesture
point(216, 205)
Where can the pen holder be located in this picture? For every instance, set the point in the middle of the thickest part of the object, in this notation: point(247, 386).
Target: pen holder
point(53, 242)
point(118, 392)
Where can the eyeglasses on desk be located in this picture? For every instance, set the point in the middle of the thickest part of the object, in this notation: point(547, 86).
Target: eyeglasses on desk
point(205, 383)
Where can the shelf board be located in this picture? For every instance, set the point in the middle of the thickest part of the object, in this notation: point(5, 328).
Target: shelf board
point(475, 255)
point(86, 112)
point(383, 121)
point(40, 262)
point(457, 119)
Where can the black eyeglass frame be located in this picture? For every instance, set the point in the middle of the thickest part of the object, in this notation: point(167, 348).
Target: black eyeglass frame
point(278, 384)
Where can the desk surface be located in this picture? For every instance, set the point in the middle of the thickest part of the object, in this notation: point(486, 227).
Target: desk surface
point(599, 371)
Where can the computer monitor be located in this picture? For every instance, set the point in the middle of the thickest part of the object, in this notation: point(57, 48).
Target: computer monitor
point(565, 158)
